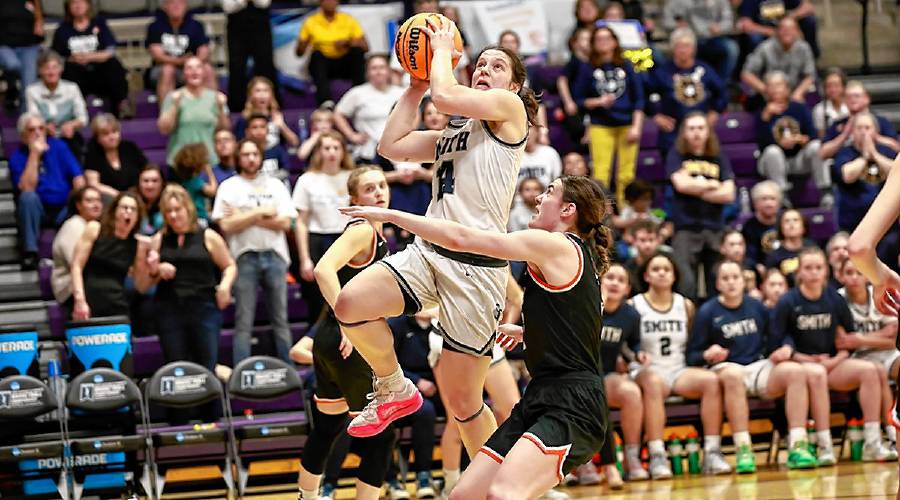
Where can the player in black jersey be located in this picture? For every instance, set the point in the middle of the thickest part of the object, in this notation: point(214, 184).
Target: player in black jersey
point(343, 378)
point(561, 420)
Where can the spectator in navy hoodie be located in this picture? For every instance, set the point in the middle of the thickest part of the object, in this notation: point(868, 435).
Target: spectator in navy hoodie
point(785, 134)
point(860, 170)
point(411, 345)
point(613, 96)
point(172, 38)
point(684, 85)
point(703, 184)
point(89, 48)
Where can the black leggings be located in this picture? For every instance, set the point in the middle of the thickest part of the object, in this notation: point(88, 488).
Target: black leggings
point(107, 80)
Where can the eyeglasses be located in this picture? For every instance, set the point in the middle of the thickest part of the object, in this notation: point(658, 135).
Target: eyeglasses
point(36, 129)
point(127, 208)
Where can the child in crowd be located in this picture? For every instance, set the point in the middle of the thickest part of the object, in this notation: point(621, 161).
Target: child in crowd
point(261, 101)
point(575, 164)
point(645, 240)
point(275, 156)
point(190, 162)
point(638, 205)
point(320, 121)
point(773, 286)
point(526, 206)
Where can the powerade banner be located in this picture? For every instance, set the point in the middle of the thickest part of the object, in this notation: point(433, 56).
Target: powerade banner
point(103, 481)
point(95, 346)
point(19, 354)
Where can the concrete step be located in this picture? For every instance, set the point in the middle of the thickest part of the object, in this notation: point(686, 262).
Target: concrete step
point(889, 111)
point(5, 180)
point(9, 245)
point(18, 285)
point(32, 312)
point(882, 88)
point(7, 210)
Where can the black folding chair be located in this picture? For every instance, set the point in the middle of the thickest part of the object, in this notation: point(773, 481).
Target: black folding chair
point(182, 384)
point(23, 399)
point(110, 397)
point(263, 378)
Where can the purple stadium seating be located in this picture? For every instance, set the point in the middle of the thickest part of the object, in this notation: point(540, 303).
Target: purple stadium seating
point(650, 135)
point(559, 138)
point(742, 157)
point(804, 192)
point(44, 272)
point(650, 166)
point(157, 156)
point(45, 243)
point(736, 127)
point(822, 225)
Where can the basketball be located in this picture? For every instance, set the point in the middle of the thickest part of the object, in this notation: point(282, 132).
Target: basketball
point(413, 46)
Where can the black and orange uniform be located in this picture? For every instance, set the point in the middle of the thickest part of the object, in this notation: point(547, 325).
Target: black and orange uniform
point(338, 378)
point(564, 410)
point(344, 380)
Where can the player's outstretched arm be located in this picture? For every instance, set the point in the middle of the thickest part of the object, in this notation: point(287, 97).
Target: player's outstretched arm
point(881, 216)
point(495, 105)
point(400, 140)
point(532, 245)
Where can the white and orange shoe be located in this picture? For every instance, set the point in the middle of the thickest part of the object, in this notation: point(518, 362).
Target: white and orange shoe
point(385, 406)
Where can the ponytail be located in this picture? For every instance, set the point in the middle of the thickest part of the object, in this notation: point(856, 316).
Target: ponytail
point(600, 241)
point(532, 103)
point(591, 203)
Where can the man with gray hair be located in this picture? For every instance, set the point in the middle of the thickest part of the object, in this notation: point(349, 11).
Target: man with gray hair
point(43, 172)
point(711, 21)
point(784, 134)
point(786, 52)
point(759, 232)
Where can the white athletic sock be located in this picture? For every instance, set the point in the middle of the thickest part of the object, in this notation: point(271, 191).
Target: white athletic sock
point(796, 435)
point(824, 438)
point(451, 477)
point(712, 443)
point(308, 494)
point(891, 432)
point(656, 446)
point(633, 454)
point(872, 433)
point(394, 381)
point(741, 438)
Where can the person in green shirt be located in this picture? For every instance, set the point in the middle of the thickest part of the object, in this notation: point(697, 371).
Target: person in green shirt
point(193, 113)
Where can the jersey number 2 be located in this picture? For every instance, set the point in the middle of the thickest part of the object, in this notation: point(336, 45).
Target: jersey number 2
point(445, 179)
point(665, 346)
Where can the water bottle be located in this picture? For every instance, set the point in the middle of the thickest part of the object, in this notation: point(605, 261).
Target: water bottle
point(746, 207)
point(693, 450)
point(302, 131)
point(676, 451)
point(812, 440)
point(620, 455)
point(855, 432)
point(56, 387)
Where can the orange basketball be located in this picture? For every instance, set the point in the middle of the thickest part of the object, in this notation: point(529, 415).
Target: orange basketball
point(413, 46)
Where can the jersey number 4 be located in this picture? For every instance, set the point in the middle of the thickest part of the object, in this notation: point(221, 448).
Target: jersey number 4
point(445, 178)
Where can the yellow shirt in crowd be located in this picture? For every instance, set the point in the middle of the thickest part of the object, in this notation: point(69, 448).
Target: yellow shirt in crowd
point(322, 33)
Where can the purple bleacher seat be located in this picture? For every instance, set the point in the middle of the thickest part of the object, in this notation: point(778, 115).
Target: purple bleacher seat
point(44, 272)
point(813, 98)
point(157, 156)
point(822, 225)
point(736, 128)
point(57, 319)
point(296, 166)
point(804, 193)
point(560, 139)
point(293, 100)
point(746, 182)
point(742, 157)
point(148, 140)
point(650, 166)
point(339, 88)
point(144, 107)
point(9, 136)
point(551, 101)
point(45, 243)
point(650, 135)
point(298, 309)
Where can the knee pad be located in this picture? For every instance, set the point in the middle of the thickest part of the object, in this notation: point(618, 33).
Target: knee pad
point(374, 454)
point(471, 417)
point(325, 429)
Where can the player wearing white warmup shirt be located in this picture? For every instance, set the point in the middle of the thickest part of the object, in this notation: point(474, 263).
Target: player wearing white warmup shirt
point(662, 369)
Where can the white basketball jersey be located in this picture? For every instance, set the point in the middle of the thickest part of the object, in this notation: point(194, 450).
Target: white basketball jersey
point(664, 335)
point(867, 318)
point(475, 176)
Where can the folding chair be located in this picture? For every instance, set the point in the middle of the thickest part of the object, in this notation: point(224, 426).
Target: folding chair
point(182, 384)
point(110, 395)
point(22, 400)
point(263, 378)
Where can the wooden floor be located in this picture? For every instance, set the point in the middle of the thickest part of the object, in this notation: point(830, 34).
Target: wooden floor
point(845, 481)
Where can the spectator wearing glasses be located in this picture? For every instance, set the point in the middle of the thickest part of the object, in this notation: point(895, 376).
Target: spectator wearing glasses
point(43, 172)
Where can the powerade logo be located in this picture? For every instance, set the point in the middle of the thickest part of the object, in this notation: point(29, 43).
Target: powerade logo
point(78, 461)
point(17, 346)
point(100, 339)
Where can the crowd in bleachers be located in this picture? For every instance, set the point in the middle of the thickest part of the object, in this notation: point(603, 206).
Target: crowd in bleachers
point(225, 216)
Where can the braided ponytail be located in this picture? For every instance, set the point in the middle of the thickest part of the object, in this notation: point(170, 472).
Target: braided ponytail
point(591, 204)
